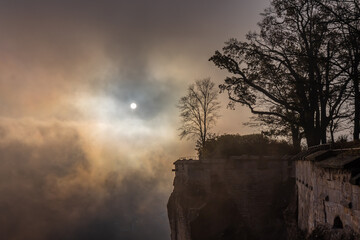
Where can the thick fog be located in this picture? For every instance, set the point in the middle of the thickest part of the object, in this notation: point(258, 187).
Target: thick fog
point(75, 161)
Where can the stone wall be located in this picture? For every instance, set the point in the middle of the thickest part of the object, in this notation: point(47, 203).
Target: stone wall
point(241, 198)
point(325, 193)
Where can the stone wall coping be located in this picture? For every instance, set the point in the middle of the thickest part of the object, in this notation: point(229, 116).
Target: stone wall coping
point(186, 161)
point(323, 147)
point(339, 162)
point(318, 156)
point(194, 160)
point(355, 180)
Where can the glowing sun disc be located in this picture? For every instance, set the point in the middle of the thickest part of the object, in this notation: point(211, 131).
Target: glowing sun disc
point(133, 105)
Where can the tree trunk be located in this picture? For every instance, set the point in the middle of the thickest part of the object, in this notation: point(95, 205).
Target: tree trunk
point(323, 123)
point(312, 135)
point(311, 130)
point(296, 139)
point(332, 130)
point(312, 139)
point(323, 135)
point(357, 106)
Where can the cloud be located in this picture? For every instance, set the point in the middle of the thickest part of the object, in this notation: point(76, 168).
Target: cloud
point(55, 185)
point(50, 51)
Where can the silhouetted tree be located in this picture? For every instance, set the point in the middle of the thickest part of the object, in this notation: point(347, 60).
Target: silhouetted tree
point(277, 127)
point(345, 18)
point(199, 111)
point(290, 70)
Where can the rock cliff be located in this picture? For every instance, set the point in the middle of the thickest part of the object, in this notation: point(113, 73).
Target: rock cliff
point(236, 198)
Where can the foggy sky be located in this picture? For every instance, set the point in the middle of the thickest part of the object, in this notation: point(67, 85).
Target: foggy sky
point(74, 157)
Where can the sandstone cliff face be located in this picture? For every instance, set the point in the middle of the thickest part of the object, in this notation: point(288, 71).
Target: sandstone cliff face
point(240, 198)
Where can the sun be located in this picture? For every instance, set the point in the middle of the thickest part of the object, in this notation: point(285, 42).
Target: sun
point(133, 106)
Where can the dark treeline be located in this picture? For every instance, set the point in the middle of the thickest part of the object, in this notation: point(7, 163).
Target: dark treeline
point(228, 145)
point(299, 75)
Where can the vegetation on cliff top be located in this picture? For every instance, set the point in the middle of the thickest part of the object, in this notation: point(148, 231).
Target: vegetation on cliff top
point(255, 144)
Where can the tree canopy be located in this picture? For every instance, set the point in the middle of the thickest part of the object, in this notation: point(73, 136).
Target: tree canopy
point(294, 73)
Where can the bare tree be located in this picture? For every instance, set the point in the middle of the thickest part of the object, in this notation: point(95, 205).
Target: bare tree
point(199, 111)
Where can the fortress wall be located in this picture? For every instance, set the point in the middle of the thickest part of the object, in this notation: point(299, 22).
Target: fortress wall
point(323, 195)
point(251, 192)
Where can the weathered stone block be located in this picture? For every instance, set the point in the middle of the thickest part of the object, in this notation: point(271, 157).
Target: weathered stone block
point(333, 196)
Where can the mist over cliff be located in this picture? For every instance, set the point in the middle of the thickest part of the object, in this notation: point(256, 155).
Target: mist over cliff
point(58, 182)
